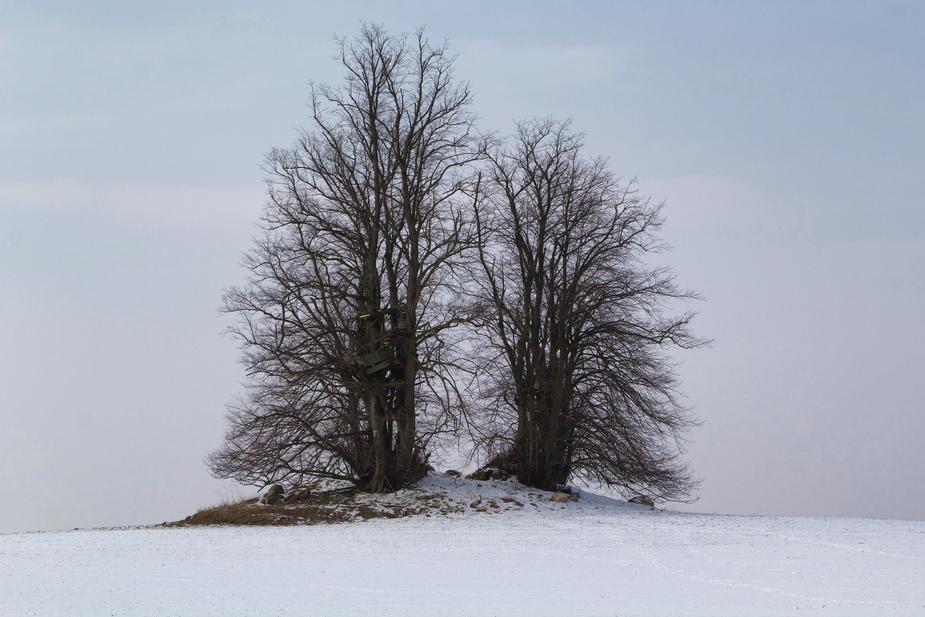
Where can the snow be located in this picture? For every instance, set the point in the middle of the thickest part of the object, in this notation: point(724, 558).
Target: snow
point(595, 557)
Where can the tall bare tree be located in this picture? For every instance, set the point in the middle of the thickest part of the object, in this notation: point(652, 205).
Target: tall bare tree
point(575, 377)
point(343, 318)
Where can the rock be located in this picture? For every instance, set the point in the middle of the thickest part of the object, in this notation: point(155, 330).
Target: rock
point(488, 473)
point(297, 495)
point(273, 495)
point(560, 497)
point(453, 473)
point(573, 497)
point(476, 503)
point(643, 500)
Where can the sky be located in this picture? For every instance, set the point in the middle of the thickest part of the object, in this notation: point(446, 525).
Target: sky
point(786, 138)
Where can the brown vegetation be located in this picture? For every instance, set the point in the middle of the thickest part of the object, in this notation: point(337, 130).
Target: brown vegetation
point(307, 507)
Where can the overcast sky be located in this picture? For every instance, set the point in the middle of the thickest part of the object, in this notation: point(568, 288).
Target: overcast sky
point(787, 138)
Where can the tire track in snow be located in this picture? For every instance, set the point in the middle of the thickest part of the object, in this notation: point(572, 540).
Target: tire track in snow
point(847, 547)
point(731, 583)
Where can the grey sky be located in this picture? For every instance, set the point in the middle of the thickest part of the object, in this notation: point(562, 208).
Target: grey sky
point(787, 138)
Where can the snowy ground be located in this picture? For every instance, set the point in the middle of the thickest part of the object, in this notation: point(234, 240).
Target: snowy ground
point(594, 557)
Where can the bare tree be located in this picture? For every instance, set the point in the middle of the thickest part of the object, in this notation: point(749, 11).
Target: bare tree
point(575, 380)
point(342, 322)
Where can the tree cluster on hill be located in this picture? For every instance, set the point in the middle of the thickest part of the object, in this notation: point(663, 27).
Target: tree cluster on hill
point(418, 282)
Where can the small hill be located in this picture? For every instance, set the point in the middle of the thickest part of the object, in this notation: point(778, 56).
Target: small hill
point(437, 494)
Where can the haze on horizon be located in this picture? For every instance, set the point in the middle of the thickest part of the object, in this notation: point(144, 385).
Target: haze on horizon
point(788, 140)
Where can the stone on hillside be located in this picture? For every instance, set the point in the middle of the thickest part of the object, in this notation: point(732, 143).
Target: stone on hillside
point(643, 500)
point(273, 495)
point(488, 473)
point(573, 497)
point(560, 497)
point(453, 473)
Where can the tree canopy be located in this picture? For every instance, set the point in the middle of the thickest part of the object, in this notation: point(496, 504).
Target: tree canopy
point(402, 253)
point(342, 318)
point(574, 328)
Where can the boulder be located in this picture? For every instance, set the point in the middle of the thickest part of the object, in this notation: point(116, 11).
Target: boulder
point(643, 500)
point(488, 473)
point(453, 473)
point(273, 495)
point(296, 495)
point(573, 497)
point(560, 497)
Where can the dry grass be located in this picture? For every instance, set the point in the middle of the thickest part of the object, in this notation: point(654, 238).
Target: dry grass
point(251, 513)
point(308, 507)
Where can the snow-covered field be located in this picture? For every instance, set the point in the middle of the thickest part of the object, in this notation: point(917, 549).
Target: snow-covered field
point(594, 557)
